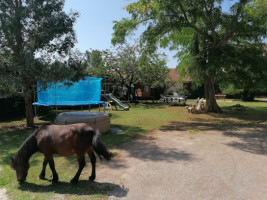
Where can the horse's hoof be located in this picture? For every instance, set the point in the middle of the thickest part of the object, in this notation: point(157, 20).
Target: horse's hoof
point(92, 178)
point(55, 180)
point(74, 181)
point(42, 177)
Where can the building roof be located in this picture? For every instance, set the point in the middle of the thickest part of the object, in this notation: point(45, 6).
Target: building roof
point(174, 76)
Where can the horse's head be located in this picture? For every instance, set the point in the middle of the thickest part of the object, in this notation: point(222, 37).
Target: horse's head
point(21, 170)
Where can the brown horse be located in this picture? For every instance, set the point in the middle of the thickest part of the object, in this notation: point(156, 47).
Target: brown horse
point(64, 140)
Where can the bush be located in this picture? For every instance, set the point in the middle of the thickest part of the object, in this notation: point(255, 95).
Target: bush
point(11, 107)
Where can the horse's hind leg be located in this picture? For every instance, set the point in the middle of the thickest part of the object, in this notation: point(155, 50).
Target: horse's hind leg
point(81, 161)
point(93, 161)
point(42, 174)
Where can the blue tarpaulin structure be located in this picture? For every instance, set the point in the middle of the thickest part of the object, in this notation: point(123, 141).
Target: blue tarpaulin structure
point(84, 92)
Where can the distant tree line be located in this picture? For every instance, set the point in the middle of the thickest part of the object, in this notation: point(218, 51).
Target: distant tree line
point(128, 66)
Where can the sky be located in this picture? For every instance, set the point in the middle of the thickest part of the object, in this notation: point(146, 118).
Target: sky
point(94, 26)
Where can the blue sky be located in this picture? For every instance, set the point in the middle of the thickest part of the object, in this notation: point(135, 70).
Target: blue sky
point(94, 26)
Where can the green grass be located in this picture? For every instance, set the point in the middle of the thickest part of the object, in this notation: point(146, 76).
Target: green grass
point(133, 123)
point(139, 119)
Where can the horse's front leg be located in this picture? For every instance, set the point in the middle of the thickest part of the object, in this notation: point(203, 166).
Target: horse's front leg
point(81, 162)
point(51, 162)
point(93, 161)
point(42, 174)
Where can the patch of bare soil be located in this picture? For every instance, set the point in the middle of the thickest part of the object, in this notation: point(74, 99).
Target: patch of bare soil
point(2, 191)
point(174, 163)
point(3, 194)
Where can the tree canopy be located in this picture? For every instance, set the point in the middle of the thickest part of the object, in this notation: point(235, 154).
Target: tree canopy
point(200, 30)
point(36, 38)
point(128, 65)
point(246, 74)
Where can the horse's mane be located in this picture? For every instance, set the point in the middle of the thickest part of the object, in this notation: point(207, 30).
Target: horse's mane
point(28, 148)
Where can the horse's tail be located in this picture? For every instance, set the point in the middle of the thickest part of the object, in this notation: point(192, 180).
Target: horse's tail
point(100, 148)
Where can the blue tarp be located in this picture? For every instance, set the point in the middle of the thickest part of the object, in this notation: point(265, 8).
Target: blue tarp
point(84, 92)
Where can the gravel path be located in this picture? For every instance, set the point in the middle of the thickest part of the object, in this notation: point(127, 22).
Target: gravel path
point(177, 165)
point(3, 194)
point(2, 191)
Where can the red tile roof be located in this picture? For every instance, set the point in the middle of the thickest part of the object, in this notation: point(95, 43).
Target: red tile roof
point(174, 76)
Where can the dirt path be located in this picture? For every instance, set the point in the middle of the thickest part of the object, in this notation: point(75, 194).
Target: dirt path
point(3, 194)
point(2, 190)
point(177, 165)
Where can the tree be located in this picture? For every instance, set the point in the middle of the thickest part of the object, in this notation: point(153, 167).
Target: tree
point(93, 58)
point(35, 37)
point(153, 70)
point(247, 74)
point(127, 66)
point(206, 27)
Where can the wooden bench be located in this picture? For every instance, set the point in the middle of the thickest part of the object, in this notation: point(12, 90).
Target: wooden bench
point(220, 96)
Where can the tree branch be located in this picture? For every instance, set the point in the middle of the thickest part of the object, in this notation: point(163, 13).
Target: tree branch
point(231, 28)
point(210, 16)
point(190, 24)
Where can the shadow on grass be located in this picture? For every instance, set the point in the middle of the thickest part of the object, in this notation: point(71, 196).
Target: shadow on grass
point(251, 114)
point(148, 105)
point(154, 105)
point(81, 188)
point(10, 142)
point(128, 132)
point(11, 119)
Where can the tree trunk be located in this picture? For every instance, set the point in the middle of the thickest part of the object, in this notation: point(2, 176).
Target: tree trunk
point(128, 93)
point(28, 104)
point(29, 111)
point(248, 95)
point(211, 104)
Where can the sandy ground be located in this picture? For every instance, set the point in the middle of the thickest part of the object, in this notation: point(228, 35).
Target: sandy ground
point(177, 165)
point(3, 194)
point(2, 191)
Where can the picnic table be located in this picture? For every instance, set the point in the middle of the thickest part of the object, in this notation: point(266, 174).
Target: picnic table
point(171, 98)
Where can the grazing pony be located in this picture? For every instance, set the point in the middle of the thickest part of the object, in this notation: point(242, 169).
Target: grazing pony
point(64, 140)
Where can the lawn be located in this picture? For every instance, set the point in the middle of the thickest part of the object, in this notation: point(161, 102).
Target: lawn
point(141, 118)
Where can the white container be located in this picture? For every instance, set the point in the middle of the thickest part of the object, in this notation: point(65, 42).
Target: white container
point(97, 120)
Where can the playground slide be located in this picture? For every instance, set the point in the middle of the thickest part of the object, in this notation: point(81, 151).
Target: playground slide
point(117, 101)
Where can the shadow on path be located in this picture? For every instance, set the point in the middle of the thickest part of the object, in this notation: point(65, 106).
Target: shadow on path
point(148, 148)
point(251, 134)
point(252, 141)
point(81, 188)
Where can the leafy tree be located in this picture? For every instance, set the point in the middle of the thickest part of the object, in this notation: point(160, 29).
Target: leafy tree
point(201, 30)
point(35, 37)
point(246, 72)
point(153, 69)
point(93, 59)
point(127, 66)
